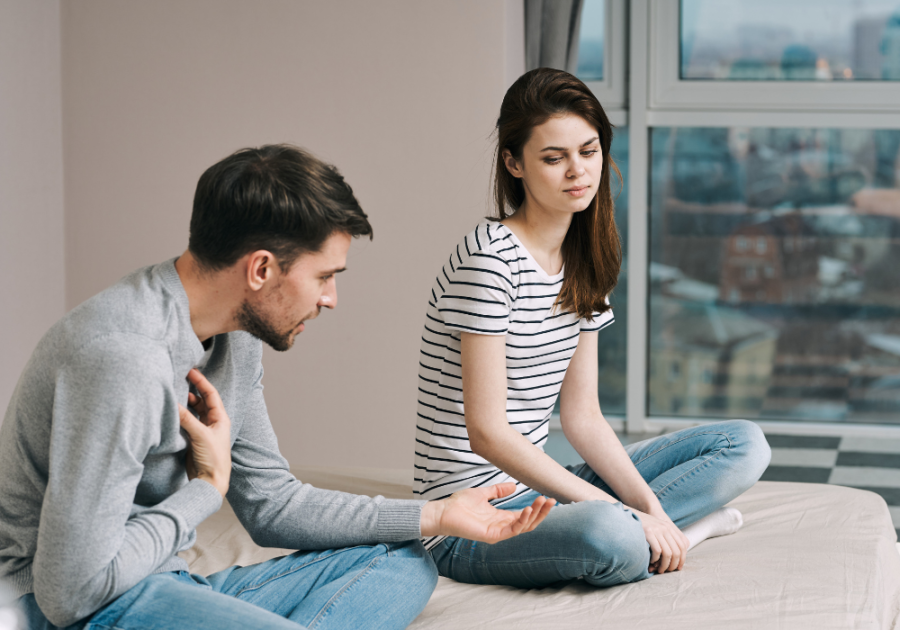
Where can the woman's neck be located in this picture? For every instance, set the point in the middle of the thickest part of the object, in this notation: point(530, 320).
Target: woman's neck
point(542, 233)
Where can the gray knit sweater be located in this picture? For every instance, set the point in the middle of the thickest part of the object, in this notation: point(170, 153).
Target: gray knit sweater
point(93, 491)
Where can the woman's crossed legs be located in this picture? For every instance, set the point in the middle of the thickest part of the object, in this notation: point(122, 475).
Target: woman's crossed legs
point(693, 473)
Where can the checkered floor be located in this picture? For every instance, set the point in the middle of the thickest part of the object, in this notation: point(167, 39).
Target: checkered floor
point(867, 463)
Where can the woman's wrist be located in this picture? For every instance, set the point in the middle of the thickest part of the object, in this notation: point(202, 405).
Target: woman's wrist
point(648, 505)
point(657, 510)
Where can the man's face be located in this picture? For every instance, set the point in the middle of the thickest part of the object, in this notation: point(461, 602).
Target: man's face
point(277, 313)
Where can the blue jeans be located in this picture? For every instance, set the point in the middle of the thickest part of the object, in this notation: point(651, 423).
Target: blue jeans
point(385, 586)
point(693, 473)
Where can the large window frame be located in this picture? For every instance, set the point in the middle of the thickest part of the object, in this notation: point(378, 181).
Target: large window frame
point(612, 91)
point(643, 53)
point(669, 91)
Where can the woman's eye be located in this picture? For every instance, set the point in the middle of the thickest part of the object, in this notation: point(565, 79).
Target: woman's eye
point(589, 153)
point(553, 160)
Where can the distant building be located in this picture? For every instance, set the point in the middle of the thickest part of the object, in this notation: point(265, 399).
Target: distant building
point(867, 34)
point(775, 261)
point(890, 49)
point(708, 360)
point(874, 391)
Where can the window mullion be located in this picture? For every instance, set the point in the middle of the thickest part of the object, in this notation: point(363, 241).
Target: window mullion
point(638, 215)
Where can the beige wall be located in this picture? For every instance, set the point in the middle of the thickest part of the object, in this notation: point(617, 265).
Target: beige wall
point(400, 95)
point(31, 178)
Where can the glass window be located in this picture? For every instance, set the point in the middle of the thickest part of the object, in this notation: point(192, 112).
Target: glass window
point(591, 39)
point(801, 40)
point(612, 340)
point(774, 257)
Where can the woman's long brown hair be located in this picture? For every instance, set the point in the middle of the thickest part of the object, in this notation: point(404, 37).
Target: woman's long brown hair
point(592, 253)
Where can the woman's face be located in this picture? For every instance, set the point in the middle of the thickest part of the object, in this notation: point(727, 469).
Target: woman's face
point(561, 165)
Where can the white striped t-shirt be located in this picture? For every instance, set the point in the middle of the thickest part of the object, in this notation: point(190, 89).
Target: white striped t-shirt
point(489, 285)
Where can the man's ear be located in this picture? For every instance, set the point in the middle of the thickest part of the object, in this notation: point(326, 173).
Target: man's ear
point(511, 164)
point(261, 267)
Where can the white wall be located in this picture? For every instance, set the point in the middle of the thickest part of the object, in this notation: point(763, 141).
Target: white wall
point(400, 95)
point(31, 179)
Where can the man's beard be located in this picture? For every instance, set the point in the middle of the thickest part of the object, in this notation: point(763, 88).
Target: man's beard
point(251, 321)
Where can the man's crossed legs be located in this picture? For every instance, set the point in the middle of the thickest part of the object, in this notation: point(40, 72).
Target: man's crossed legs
point(381, 586)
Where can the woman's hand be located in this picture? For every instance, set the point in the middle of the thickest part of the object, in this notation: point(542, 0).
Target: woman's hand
point(668, 546)
point(209, 452)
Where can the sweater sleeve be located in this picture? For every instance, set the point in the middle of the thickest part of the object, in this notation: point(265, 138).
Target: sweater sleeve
point(110, 400)
point(278, 510)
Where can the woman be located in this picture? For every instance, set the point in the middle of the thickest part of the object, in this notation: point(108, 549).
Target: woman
point(512, 323)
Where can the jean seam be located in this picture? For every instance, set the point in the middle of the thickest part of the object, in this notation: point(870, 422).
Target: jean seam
point(258, 585)
point(687, 472)
point(334, 598)
point(500, 562)
point(581, 561)
point(687, 437)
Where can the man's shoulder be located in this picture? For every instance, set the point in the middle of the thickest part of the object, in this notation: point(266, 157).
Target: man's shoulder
point(137, 316)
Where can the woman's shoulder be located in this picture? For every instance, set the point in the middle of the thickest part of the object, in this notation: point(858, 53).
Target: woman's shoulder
point(489, 240)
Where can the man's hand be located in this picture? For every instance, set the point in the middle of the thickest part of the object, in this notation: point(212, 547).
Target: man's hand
point(668, 546)
point(209, 453)
point(468, 514)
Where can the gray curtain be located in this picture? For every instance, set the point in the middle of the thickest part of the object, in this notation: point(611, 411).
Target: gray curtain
point(551, 34)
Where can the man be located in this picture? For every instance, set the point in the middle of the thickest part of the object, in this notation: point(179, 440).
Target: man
point(100, 487)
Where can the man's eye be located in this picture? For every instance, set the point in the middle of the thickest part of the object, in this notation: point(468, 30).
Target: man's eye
point(328, 277)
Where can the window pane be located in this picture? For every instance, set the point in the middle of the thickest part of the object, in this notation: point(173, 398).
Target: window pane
point(792, 40)
point(611, 341)
point(774, 284)
point(590, 40)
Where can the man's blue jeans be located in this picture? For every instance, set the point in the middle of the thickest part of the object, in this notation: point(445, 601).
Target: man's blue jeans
point(693, 473)
point(385, 586)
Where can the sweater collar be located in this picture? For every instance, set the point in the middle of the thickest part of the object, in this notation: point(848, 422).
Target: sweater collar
point(189, 349)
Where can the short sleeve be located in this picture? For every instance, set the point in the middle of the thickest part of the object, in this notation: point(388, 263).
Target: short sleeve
point(598, 321)
point(476, 293)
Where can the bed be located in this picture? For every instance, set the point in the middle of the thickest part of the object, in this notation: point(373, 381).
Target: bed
point(808, 556)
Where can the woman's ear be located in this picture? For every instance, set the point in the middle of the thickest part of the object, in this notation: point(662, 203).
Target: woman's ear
point(511, 164)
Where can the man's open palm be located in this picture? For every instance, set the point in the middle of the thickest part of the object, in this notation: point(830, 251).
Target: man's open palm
point(467, 514)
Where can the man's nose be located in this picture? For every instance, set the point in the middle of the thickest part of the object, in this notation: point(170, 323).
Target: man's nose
point(329, 297)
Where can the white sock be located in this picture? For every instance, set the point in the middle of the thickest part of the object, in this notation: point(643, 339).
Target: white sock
point(720, 523)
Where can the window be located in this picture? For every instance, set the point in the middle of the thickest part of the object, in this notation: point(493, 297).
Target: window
point(761, 245)
point(591, 39)
point(612, 342)
point(761, 209)
point(601, 53)
point(764, 55)
point(836, 195)
point(799, 40)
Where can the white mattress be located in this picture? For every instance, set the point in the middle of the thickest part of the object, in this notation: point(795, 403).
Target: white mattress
point(808, 556)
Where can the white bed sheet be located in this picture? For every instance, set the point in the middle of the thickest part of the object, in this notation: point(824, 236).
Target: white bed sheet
point(808, 556)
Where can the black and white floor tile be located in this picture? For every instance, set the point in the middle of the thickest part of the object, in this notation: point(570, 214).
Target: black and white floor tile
point(867, 463)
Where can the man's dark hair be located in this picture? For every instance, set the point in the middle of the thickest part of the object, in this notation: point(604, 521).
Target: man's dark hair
point(276, 197)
